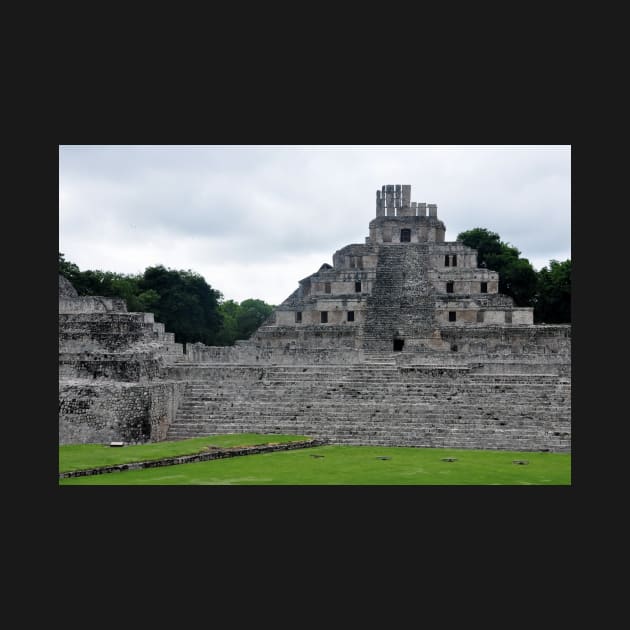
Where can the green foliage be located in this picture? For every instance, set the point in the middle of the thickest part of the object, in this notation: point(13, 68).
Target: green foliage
point(517, 277)
point(105, 283)
point(67, 269)
point(252, 313)
point(241, 320)
point(229, 331)
point(355, 465)
point(186, 304)
point(553, 299)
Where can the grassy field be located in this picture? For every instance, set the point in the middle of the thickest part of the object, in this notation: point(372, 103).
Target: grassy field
point(82, 456)
point(354, 465)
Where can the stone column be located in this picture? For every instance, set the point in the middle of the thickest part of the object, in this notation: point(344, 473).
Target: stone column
point(380, 210)
point(422, 209)
point(389, 200)
point(433, 210)
point(406, 196)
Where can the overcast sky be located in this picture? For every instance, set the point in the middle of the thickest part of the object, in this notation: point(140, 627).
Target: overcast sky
point(253, 220)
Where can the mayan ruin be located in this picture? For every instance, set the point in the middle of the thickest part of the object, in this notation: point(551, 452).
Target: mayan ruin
point(402, 341)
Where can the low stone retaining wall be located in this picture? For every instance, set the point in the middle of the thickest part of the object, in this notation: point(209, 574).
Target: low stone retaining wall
point(219, 453)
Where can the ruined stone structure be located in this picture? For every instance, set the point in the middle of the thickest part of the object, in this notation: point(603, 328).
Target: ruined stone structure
point(111, 371)
point(403, 340)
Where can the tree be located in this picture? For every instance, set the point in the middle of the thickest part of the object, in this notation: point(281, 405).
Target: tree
point(229, 331)
point(517, 277)
point(187, 305)
point(252, 313)
point(553, 297)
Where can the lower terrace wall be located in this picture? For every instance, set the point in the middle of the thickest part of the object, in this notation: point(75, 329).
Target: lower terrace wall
point(538, 345)
point(288, 354)
point(109, 411)
point(546, 341)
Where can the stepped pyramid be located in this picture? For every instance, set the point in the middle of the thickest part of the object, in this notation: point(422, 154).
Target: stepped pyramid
point(402, 341)
point(397, 292)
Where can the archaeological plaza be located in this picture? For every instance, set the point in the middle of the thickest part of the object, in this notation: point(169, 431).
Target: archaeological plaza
point(402, 341)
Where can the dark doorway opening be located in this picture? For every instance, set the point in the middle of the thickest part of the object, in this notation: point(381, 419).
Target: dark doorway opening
point(398, 345)
point(405, 236)
point(449, 287)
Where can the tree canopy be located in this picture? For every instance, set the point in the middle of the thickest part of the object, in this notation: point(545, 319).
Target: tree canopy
point(553, 304)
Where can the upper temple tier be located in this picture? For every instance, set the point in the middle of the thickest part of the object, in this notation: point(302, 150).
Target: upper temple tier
point(400, 220)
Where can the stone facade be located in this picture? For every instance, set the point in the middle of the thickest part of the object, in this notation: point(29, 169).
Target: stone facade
point(403, 340)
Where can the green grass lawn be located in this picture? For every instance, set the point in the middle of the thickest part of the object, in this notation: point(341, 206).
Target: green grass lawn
point(82, 456)
point(354, 465)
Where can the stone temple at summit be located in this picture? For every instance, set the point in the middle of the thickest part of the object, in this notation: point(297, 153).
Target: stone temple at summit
point(403, 340)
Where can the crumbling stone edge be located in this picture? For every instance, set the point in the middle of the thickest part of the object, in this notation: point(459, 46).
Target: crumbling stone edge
point(218, 453)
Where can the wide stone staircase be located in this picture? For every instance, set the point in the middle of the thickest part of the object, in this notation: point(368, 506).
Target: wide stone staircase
point(380, 404)
point(402, 299)
point(383, 304)
point(417, 301)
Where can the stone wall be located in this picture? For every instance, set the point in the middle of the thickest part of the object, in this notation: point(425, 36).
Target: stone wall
point(91, 304)
point(111, 371)
point(127, 367)
point(430, 406)
point(542, 342)
point(105, 412)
